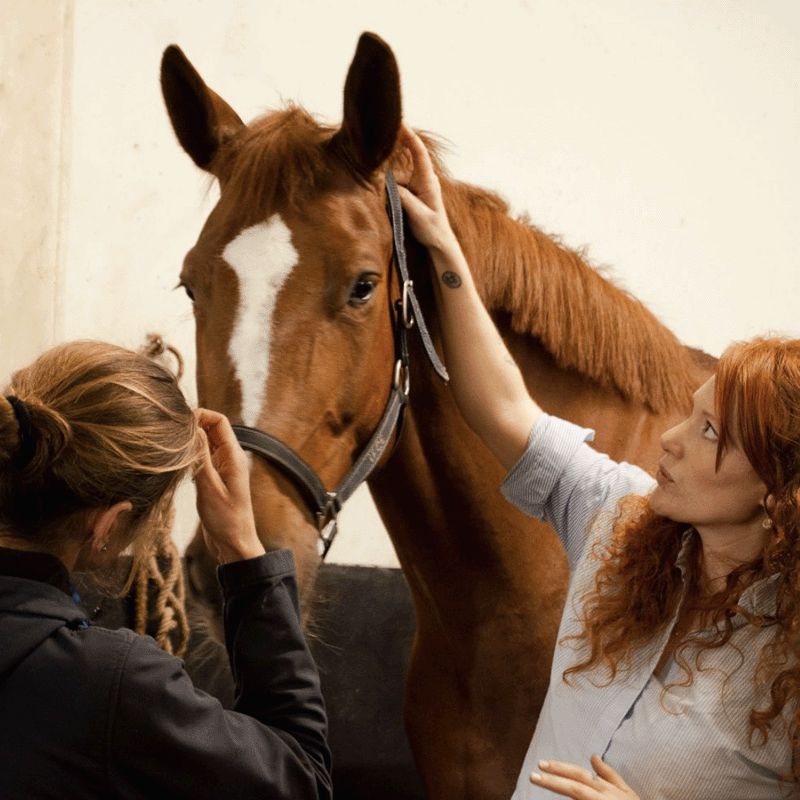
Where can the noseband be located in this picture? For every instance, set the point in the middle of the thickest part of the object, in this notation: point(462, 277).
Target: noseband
point(323, 504)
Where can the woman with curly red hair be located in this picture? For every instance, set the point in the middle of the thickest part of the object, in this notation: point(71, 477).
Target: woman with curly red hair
point(677, 664)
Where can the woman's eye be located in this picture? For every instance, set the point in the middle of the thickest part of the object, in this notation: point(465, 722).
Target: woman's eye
point(709, 432)
point(361, 291)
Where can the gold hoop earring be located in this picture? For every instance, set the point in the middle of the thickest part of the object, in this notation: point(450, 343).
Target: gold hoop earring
point(766, 523)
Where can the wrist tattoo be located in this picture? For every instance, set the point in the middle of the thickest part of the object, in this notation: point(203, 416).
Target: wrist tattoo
point(451, 280)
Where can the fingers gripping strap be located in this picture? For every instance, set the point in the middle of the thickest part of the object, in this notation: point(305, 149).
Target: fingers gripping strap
point(396, 211)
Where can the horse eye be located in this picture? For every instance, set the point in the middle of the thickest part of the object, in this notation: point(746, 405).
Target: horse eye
point(362, 291)
point(188, 290)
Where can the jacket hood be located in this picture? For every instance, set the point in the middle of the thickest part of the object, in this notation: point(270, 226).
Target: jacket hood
point(30, 612)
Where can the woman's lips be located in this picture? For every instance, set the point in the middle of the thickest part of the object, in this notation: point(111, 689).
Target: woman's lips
point(663, 477)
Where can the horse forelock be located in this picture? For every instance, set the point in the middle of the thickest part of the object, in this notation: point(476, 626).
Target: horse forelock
point(280, 160)
point(549, 291)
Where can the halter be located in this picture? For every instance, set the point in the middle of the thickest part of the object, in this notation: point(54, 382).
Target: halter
point(323, 504)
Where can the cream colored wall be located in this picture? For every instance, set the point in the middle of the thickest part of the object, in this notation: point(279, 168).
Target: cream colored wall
point(663, 134)
point(34, 126)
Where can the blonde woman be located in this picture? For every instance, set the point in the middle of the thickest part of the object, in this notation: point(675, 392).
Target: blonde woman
point(93, 441)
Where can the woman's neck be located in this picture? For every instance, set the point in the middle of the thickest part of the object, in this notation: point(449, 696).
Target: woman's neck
point(724, 550)
point(68, 557)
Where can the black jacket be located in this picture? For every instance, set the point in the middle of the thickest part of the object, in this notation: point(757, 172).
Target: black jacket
point(87, 712)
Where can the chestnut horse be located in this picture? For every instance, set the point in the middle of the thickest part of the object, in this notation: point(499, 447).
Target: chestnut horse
point(293, 295)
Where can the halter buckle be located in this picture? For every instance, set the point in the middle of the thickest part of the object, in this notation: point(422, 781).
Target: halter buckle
point(408, 314)
point(402, 377)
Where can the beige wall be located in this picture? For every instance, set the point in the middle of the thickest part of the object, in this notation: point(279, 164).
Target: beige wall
point(663, 134)
point(34, 126)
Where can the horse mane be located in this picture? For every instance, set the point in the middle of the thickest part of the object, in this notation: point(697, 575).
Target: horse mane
point(583, 320)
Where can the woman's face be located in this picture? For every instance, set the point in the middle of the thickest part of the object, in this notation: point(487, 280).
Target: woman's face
point(690, 488)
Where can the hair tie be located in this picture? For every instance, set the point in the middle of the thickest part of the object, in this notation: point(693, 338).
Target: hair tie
point(27, 433)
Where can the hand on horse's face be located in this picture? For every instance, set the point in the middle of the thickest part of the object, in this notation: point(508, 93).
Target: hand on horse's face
point(570, 780)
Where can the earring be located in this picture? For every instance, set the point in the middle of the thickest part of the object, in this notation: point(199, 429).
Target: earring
point(105, 547)
point(766, 523)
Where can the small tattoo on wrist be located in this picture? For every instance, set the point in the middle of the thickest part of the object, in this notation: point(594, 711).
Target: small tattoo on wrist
point(451, 280)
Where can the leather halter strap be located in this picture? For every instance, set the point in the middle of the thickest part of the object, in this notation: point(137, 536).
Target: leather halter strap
point(396, 215)
point(323, 504)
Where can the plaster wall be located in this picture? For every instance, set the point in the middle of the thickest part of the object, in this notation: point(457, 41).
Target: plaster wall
point(662, 134)
point(35, 97)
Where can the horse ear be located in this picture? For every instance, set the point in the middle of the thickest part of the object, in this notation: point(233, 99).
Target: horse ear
point(201, 119)
point(372, 108)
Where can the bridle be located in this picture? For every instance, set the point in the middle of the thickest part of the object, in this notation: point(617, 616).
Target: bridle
point(324, 504)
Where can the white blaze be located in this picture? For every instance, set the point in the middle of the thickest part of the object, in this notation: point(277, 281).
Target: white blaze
point(262, 257)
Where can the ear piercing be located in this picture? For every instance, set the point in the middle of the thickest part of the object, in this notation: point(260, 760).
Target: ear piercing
point(766, 523)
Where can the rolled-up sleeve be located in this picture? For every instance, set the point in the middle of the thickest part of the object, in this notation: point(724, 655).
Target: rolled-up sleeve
point(563, 481)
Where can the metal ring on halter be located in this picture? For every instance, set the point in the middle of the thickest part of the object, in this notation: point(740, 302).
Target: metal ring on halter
point(402, 377)
point(327, 521)
point(327, 534)
point(408, 318)
point(331, 511)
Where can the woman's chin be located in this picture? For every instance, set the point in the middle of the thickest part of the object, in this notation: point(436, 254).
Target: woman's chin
point(659, 503)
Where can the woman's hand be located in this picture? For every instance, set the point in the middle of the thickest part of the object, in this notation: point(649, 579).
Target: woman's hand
point(422, 197)
point(223, 493)
point(570, 780)
point(486, 383)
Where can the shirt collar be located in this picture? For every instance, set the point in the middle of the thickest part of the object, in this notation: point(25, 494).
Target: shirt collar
point(761, 598)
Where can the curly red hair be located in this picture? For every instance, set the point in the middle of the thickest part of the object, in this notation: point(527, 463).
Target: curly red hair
point(638, 585)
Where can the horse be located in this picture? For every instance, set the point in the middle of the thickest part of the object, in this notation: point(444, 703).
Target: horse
point(295, 302)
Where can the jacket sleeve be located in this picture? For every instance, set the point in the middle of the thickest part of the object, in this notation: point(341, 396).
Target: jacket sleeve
point(563, 481)
point(168, 739)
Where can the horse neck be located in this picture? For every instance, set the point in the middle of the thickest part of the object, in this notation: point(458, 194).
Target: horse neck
point(580, 343)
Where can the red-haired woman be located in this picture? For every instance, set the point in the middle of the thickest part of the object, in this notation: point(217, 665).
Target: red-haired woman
point(677, 657)
point(93, 441)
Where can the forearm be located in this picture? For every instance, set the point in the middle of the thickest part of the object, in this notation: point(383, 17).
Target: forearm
point(276, 678)
point(486, 382)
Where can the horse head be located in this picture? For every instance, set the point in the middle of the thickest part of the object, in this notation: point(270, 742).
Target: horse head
point(291, 279)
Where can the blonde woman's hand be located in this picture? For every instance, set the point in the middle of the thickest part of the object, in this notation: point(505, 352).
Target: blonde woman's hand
point(223, 493)
point(421, 196)
point(570, 780)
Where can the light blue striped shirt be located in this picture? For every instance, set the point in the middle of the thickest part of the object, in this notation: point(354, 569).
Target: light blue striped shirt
point(699, 748)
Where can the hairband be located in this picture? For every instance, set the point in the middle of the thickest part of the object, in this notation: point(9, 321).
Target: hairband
point(27, 433)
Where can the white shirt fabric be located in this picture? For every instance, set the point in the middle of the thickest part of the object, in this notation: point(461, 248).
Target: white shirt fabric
point(699, 748)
